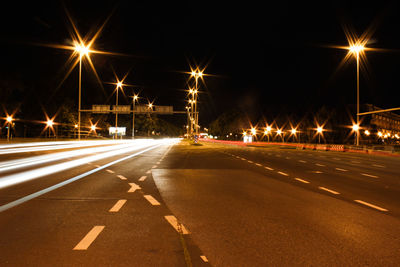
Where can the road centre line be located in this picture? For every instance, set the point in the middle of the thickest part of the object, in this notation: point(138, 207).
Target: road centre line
point(110, 171)
point(316, 171)
point(339, 169)
point(56, 186)
point(377, 165)
point(268, 168)
point(321, 165)
point(329, 190)
point(370, 205)
point(302, 161)
point(117, 206)
point(249, 161)
point(152, 200)
point(141, 179)
point(89, 238)
point(369, 175)
point(149, 171)
point(283, 173)
point(301, 180)
point(121, 177)
point(258, 164)
point(174, 222)
point(155, 166)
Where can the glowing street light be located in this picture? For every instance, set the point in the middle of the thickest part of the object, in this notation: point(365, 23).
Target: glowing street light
point(196, 74)
point(253, 131)
point(320, 129)
point(367, 133)
point(49, 125)
point(9, 120)
point(280, 133)
point(356, 128)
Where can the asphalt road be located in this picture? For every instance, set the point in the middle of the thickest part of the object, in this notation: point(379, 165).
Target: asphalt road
point(175, 204)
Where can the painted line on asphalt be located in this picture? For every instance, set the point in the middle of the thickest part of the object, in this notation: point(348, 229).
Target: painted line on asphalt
point(141, 179)
point(369, 175)
point(97, 166)
point(317, 172)
point(204, 258)
point(249, 161)
point(268, 168)
point(152, 200)
point(301, 180)
point(283, 173)
point(155, 166)
point(328, 190)
point(158, 162)
point(121, 177)
point(370, 205)
point(56, 186)
point(149, 171)
point(302, 161)
point(174, 223)
point(117, 206)
point(258, 164)
point(339, 169)
point(377, 165)
point(133, 188)
point(321, 165)
point(89, 238)
point(287, 157)
point(110, 171)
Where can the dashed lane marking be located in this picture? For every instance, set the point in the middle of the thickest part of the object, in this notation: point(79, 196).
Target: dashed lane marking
point(249, 161)
point(174, 222)
point(339, 169)
point(133, 188)
point(316, 171)
point(110, 171)
point(97, 166)
point(377, 165)
point(89, 238)
point(204, 258)
point(121, 177)
point(152, 200)
point(329, 190)
point(369, 175)
point(268, 168)
point(370, 205)
point(155, 166)
point(283, 173)
point(149, 171)
point(258, 164)
point(302, 161)
point(321, 165)
point(117, 206)
point(301, 180)
point(141, 179)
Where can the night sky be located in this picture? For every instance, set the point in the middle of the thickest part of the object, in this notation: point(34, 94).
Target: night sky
point(259, 57)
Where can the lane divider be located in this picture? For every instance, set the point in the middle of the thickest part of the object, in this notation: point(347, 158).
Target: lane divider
point(370, 205)
point(141, 179)
point(117, 206)
point(174, 223)
point(89, 238)
point(328, 190)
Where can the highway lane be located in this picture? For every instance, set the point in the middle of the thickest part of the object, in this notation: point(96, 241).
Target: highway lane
point(111, 217)
point(245, 207)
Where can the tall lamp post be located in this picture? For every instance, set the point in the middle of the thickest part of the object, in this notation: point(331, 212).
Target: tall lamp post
point(119, 85)
point(134, 99)
point(9, 122)
point(196, 74)
point(356, 49)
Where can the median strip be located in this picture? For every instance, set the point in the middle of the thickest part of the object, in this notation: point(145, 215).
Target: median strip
point(89, 238)
point(370, 205)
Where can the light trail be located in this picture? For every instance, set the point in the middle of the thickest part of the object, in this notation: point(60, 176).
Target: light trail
point(21, 177)
point(36, 147)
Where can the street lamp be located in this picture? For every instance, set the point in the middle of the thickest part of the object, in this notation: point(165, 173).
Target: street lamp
point(253, 131)
point(293, 133)
point(196, 74)
point(356, 129)
point(319, 132)
point(49, 125)
point(9, 120)
point(118, 86)
point(134, 99)
point(279, 132)
point(268, 131)
point(356, 49)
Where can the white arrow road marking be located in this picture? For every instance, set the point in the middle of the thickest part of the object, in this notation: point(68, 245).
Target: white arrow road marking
point(118, 205)
point(174, 222)
point(152, 200)
point(89, 238)
point(133, 187)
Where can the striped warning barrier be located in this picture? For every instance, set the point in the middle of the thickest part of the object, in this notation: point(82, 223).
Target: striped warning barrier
point(337, 148)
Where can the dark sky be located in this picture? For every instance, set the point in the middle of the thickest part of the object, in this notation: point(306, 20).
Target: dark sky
point(260, 57)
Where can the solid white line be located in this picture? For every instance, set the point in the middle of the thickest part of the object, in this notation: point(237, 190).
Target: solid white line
point(282, 173)
point(141, 179)
point(301, 180)
point(110, 171)
point(89, 238)
point(133, 188)
point(321, 165)
point(258, 164)
point(152, 200)
point(204, 258)
point(118, 205)
point(339, 169)
point(121, 177)
point(369, 175)
point(268, 168)
point(370, 205)
point(174, 222)
point(328, 190)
